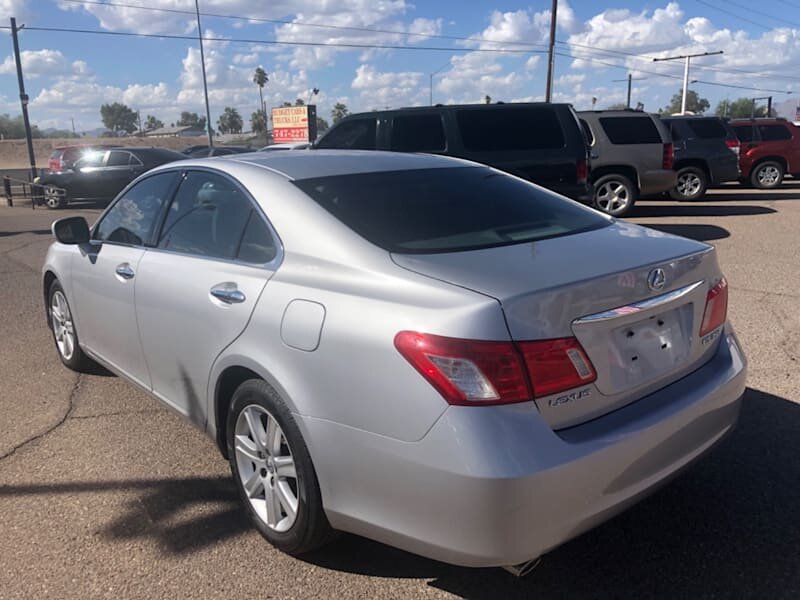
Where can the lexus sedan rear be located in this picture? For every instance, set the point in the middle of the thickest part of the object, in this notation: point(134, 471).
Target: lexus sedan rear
point(420, 350)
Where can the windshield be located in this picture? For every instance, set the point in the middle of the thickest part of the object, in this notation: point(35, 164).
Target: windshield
point(447, 210)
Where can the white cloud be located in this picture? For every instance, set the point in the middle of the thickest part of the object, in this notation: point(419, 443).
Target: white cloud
point(381, 89)
point(245, 59)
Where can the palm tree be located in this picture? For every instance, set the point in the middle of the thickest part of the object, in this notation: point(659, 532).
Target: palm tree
point(260, 78)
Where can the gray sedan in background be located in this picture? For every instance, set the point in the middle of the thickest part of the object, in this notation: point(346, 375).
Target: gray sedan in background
point(421, 350)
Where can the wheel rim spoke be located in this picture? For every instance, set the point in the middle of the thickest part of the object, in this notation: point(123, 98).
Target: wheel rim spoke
point(266, 468)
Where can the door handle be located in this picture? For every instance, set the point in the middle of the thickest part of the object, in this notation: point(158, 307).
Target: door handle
point(125, 271)
point(228, 293)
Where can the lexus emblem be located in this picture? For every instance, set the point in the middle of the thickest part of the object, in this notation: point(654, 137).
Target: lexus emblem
point(656, 279)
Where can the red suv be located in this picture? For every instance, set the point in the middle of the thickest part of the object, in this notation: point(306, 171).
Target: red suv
point(63, 157)
point(770, 149)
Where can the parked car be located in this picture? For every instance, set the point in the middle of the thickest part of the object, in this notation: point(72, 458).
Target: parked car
point(770, 150)
point(542, 143)
point(190, 149)
point(101, 175)
point(706, 153)
point(207, 152)
point(63, 157)
point(424, 351)
point(630, 156)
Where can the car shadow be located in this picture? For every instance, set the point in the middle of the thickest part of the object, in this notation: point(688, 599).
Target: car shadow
point(698, 209)
point(727, 528)
point(31, 231)
point(702, 233)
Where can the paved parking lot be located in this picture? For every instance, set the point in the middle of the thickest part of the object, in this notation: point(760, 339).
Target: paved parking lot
point(103, 493)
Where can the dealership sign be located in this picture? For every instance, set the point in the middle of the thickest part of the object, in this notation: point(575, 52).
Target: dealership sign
point(294, 124)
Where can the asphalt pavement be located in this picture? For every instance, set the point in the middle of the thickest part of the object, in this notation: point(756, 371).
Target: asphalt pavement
point(104, 493)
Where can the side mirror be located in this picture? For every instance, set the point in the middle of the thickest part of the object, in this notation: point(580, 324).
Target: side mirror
point(72, 230)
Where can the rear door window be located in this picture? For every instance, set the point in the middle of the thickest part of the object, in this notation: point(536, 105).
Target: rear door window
point(448, 209)
point(418, 133)
point(744, 132)
point(510, 129)
point(774, 133)
point(118, 158)
point(630, 130)
point(707, 129)
point(355, 134)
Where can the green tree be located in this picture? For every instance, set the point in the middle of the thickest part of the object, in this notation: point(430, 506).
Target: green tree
point(151, 123)
point(694, 103)
point(260, 78)
point(740, 108)
point(12, 128)
point(299, 102)
point(617, 106)
point(258, 122)
point(322, 125)
point(230, 121)
point(487, 99)
point(119, 118)
point(339, 112)
point(191, 119)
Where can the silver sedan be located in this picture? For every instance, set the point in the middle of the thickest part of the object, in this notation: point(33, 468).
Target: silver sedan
point(416, 349)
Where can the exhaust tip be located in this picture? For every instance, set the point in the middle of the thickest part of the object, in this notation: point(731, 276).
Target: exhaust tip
point(523, 569)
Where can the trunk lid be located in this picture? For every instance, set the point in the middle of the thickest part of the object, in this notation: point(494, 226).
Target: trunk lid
point(594, 286)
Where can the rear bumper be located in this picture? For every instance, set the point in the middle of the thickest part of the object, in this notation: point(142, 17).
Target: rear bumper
point(491, 486)
point(656, 182)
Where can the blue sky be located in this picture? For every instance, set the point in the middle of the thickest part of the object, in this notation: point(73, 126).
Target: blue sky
point(70, 75)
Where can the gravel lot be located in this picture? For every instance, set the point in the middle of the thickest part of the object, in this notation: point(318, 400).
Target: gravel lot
point(103, 493)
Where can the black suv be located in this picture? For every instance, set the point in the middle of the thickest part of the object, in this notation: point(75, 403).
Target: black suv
point(631, 155)
point(539, 142)
point(706, 153)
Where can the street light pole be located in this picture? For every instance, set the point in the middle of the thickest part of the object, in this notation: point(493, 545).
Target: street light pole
point(430, 78)
point(205, 84)
point(686, 58)
point(551, 55)
point(629, 79)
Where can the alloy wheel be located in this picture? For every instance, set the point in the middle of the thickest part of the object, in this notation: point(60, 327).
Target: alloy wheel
point(768, 175)
point(63, 329)
point(51, 197)
point(612, 197)
point(689, 184)
point(266, 468)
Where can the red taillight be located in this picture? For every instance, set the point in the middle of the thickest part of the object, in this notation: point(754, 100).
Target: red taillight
point(470, 372)
point(556, 365)
point(582, 171)
point(667, 156)
point(734, 145)
point(716, 307)
point(466, 371)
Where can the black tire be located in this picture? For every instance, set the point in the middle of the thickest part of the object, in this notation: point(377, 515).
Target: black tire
point(614, 195)
point(52, 199)
point(77, 360)
point(692, 184)
point(310, 529)
point(767, 175)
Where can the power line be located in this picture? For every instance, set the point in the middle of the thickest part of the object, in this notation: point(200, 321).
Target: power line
point(763, 14)
point(658, 74)
point(302, 24)
point(736, 16)
point(645, 57)
point(276, 42)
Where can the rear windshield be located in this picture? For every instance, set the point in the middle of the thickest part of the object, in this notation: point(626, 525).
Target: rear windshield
point(631, 130)
point(510, 129)
point(447, 210)
point(707, 129)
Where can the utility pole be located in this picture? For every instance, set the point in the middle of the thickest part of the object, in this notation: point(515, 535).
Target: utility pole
point(23, 99)
point(205, 85)
point(430, 76)
point(72, 120)
point(686, 58)
point(551, 56)
point(629, 80)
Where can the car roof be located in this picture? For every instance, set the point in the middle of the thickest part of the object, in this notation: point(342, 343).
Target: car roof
point(305, 164)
